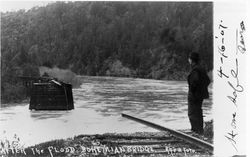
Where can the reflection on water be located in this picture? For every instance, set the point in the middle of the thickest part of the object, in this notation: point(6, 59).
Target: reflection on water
point(98, 105)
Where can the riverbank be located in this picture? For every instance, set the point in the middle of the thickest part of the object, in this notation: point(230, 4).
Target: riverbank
point(156, 144)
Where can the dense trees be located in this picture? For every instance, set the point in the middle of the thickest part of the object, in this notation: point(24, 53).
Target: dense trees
point(139, 39)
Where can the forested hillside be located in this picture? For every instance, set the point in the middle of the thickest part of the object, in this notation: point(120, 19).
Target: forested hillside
point(128, 39)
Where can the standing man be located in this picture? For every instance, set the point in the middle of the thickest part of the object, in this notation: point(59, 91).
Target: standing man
point(198, 82)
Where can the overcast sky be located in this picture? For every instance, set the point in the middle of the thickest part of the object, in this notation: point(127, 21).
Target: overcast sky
point(17, 5)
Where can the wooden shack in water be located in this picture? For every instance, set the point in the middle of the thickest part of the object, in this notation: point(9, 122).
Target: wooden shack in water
point(49, 94)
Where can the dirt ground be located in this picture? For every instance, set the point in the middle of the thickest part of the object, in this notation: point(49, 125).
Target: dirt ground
point(143, 144)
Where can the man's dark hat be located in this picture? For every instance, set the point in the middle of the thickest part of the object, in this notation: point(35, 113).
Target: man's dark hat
point(194, 56)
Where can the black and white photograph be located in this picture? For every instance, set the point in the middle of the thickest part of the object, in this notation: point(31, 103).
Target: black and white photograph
point(122, 78)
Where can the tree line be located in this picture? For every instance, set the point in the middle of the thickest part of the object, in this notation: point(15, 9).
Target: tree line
point(128, 39)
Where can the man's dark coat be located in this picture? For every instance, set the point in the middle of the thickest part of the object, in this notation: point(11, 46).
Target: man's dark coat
point(198, 82)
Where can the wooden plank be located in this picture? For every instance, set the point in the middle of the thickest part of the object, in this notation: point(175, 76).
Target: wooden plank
point(190, 139)
point(141, 142)
point(126, 137)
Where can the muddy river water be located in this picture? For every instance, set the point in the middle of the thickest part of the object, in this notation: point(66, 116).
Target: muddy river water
point(99, 103)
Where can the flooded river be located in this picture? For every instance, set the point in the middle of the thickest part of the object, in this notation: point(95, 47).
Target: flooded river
point(99, 103)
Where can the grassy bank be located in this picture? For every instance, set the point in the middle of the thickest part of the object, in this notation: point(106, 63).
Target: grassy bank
point(156, 144)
